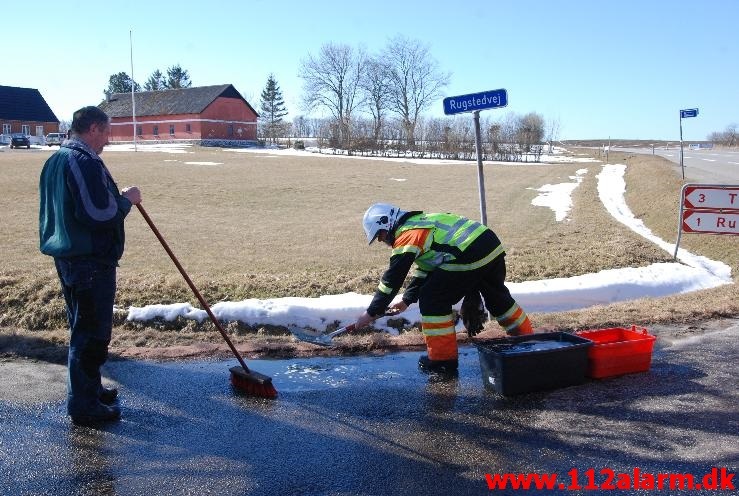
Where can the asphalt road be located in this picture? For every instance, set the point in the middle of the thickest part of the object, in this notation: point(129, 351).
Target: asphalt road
point(719, 166)
point(369, 426)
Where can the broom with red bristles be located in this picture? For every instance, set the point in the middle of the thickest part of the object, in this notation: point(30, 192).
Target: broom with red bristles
point(245, 380)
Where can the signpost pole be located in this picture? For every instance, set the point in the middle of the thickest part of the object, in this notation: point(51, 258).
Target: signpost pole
point(685, 113)
point(475, 102)
point(680, 221)
point(682, 167)
point(480, 174)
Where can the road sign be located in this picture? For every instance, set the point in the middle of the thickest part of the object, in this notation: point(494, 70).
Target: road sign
point(714, 197)
point(707, 221)
point(708, 208)
point(475, 101)
point(685, 113)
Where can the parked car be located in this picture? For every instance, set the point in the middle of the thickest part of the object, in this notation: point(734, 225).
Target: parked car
point(19, 140)
point(55, 138)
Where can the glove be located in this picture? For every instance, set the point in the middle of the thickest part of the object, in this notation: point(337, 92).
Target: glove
point(473, 313)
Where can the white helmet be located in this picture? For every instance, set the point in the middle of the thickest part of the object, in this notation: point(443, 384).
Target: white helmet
point(380, 216)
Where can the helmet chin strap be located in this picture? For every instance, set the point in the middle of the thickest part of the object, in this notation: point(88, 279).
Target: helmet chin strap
point(389, 238)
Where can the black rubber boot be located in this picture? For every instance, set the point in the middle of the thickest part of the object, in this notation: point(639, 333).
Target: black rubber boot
point(107, 396)
point(438, 366)
point(102, 413)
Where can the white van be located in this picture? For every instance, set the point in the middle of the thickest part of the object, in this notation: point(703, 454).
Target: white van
point(55, 138)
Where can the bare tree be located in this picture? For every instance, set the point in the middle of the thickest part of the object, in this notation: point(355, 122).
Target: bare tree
point(731, 134)
point(495, 140)
point(506, 135)
point(300, 127)
point(331, 81)
point(529, 130)
point(416, 81)
point(316, 125)
point(376, 83)
point(434, 136)
point(727, 137)
point(553, 132)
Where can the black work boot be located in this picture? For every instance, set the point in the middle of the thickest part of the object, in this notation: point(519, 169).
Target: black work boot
point(438, 366)
point(107, 396)
point(101, 413)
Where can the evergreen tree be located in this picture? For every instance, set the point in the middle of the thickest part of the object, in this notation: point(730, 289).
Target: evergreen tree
point(155, 82)
point(121, 83)
point(272, 109)
point(177, 77)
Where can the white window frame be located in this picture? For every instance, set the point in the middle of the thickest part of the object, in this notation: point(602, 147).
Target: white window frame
point(39, 131)
point(6, 128)
point(26, 129)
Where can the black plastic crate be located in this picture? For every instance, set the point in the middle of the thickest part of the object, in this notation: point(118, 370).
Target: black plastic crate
point(534, 362)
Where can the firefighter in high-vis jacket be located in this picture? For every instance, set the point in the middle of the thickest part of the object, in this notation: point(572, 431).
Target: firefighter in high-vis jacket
point(453, 256)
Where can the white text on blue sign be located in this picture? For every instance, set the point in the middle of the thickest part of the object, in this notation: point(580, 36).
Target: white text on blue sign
point(475, 101)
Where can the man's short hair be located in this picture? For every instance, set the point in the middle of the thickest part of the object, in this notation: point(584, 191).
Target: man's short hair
point(85, 117)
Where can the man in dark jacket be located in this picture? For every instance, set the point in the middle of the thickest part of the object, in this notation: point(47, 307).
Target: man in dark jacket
point(81, 225)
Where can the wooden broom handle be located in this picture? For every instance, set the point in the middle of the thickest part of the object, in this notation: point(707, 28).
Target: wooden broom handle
point(192, 286)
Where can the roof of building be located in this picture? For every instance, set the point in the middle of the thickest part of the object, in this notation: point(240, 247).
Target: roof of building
point(169, 102)
point(24, 104)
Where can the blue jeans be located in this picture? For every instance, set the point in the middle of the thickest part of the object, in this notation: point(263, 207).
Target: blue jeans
point(89, 290)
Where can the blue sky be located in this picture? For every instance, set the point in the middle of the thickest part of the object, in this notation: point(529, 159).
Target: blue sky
point(623, 70)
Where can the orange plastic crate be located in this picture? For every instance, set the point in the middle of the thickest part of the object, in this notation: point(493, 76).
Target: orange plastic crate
point(618, 351)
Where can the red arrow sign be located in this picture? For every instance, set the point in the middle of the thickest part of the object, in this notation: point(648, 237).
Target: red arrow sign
point(715, 197)
point(711, 222)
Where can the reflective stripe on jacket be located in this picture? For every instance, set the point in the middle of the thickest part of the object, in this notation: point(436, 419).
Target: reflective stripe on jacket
point(437, 240)
point(432, 241)
point(81, 211)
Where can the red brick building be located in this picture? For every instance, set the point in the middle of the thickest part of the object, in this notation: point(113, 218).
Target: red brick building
point(208, 115)
point(24, 110)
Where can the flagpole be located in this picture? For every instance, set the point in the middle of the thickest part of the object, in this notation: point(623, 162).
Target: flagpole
point(133, 100)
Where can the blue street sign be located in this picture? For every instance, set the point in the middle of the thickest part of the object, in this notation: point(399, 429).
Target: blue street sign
point(475, 101)
point(684, 114)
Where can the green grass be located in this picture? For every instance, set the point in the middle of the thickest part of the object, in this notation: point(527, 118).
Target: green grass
point(265, 226)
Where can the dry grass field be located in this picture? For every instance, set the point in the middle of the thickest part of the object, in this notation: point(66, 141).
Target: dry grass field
point(261, 226)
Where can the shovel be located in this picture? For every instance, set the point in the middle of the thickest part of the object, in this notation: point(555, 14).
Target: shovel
point(317, 337)
point(326, 339)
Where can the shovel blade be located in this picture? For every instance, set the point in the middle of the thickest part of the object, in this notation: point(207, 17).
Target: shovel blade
point(309, 336)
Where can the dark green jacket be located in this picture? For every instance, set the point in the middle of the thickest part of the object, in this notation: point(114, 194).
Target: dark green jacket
point(81, 210)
